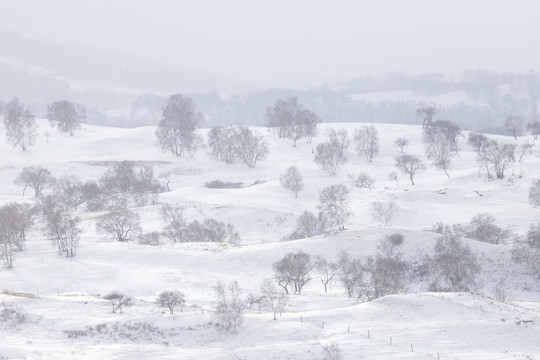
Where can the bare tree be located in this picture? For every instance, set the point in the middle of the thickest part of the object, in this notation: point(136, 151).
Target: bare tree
point(176, 129)
point(121, 226)
point(410, 165)
point(334, 203)
point(327, 271)
point(174, 229)
point(534, 129)
point(483, 228)
point(271, 298)
point(333, 153)
point(362, 180)
point(67, 115)
point(221, 143)
point(229, 308)
point(15, 220)
point(35, 177)
point(291, 120)
point(495, 158)
point(350, 273)
point(426, 115)
point(150, 238)
point(388, 270)
point(20, 125)
point(293, 270)
point(210, 230)
point(332, 352)
point(292, 180)
point(117, 300)
point(534, 193)
point(522, 151)
point(384, 212)
point(401, 143)
point(128, 184)
point(393, 176)
point(514, 125)
point(171, 299)
point(67, 190)
point(249, 147)
point(478, 141)
point(308, 225)
point(453, 266)
point(440, 143)
point(367, 142)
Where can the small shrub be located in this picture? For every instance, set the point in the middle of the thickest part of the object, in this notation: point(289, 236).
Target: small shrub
point(151, 238)
point(11, 317)
point(362, 181)
point(396, 238)
point(218, 184)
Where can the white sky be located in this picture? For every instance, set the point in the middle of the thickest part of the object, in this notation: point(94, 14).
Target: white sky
point(293, 42)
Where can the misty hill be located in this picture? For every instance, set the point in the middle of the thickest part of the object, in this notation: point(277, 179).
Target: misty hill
point(40, 71)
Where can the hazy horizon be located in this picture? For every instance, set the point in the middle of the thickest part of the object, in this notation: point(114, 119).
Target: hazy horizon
point(298, 44)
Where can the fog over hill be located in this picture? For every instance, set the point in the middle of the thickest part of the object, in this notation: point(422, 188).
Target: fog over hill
point(39, 71)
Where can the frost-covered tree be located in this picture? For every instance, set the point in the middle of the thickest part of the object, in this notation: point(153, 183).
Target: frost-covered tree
point(410, 165)
point(334, 205)
point(230, 308)
point(35, 177)
point(292, 180)
point(367, 142)
point(176, 129)
point(67, 115)
point(20, 125)
point(122, 226)
point(293, 270)
point(333, 153)
point(171, 299)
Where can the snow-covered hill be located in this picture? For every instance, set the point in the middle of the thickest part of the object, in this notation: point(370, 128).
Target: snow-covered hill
point(61, 298)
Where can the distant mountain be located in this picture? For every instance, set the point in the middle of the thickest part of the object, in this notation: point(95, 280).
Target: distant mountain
point(40, 71)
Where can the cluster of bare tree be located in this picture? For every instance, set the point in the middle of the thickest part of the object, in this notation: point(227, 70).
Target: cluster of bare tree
point(482, 228)
point(15, 220)
point(66, 115)
point(176, 129)
point(291, 120)
point(333, 213)
point(333, 153)
point(451, 266)
point(237, 143)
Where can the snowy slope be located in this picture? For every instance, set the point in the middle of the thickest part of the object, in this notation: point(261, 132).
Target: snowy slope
point(456, 326)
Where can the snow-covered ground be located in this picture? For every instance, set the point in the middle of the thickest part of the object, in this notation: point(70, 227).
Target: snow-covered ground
point(61, 297)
